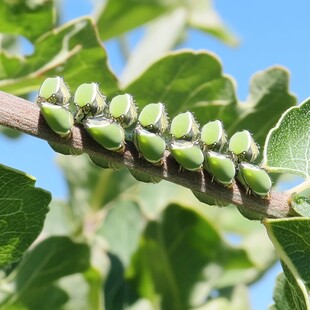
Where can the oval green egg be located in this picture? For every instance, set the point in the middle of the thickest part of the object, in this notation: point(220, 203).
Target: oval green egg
point(54, 91)
point(188, 154)
point(144, 177)
point(150, 145)
point(123, 110)
point(103, 163)
point(89, 102)
point(213, 136)
point(220, 167)
point(243, 147)
point(154, 118)
point(58, 118)
point(107, 133)
point(185, 127)
point(254, 179)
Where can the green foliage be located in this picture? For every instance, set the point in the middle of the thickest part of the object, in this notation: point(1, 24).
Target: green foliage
point(119, 17)
point(165, 250)
point(301, 205)
point(291, 239)
point(23, 17)
point(22, 213)
point(64, 51)
point(52, 259)
point(287, 144)
point(116, 243)
point(195, 82)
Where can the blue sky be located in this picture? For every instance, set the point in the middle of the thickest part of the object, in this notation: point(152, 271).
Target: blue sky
point(271, 33)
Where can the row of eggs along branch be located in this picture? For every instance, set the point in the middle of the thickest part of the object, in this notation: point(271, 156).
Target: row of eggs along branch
point(112, 124)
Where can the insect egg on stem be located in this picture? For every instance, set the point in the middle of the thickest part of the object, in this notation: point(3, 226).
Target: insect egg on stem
point(53, 100)
point(254, 179)
point(184, 127)
point(89, 102)
point(220, 167)
point(213, 136)
point(243, 147)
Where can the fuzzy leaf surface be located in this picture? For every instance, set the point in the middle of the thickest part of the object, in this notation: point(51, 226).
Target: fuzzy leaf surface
point(287, 148)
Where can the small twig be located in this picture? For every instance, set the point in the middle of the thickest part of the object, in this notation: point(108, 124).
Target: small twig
point(25, 117)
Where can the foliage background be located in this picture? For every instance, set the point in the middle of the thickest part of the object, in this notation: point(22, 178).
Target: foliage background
point(270, 33)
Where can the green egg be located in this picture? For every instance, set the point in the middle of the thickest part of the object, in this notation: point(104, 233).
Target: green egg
point(154, 118)
point(185, 127)
point(89, 102)
point(213, 136)
point(59, 119)
point(255, 179)
point(144, 177)
point(188, 154)
point(220, 167)
point(54, 91)
point(123, 110)
point(107, 133)
point(150, 145)
point(103, 163)
point(243, 147)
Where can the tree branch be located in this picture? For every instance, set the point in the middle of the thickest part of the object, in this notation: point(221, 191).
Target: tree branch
point(25, 117)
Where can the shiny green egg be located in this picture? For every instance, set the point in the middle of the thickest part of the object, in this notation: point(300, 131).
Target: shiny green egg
point(154, 118)
point(255, 179)
point(188, 154)
point(58, 118)
point(243, 147)
point(54, 91)
point(107, 133)
point(220, 167)
point(185, 127)
point(89, 102)
point(213, 136)
point(123, 110)
point(150, 145)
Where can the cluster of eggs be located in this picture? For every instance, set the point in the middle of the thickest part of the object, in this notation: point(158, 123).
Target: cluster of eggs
point(111, 125)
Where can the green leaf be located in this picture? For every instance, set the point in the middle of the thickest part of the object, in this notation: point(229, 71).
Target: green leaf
point(50, 297)
point(9, 64)
point(203, 16)
point(176, 266)
point(22, 212)
point(301, 205)
point(50, 260)
point(291, 239)
point(121, 16)
point(288, 144)
point(22, 17)
point(72, 50)
point(289, 293)
point(9, 132)
point(122, 229)
point(194, 81)
point(166, 30)
point(188, 81)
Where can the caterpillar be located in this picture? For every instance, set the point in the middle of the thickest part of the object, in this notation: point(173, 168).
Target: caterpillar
point(114, 124)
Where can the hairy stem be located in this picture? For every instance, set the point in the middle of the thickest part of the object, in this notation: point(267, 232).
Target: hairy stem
point(25, 117)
